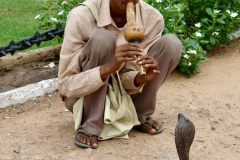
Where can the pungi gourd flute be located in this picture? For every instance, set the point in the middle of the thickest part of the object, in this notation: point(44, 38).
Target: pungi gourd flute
point(133, 33)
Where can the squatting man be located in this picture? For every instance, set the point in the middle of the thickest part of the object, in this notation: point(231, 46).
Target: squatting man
point(93, 50)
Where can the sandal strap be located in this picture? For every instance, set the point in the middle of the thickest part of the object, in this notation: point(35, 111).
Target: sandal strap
point(81, 130)
point(149, 121)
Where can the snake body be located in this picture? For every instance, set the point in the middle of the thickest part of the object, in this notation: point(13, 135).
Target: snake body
point(184, 135)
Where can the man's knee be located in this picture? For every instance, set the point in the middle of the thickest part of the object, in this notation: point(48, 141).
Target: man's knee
point(69, 103)
point(103, 42)
point(172, 45)
point(103, 38)
point(172, 42)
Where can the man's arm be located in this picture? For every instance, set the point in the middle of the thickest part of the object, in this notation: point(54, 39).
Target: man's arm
point(72, 81)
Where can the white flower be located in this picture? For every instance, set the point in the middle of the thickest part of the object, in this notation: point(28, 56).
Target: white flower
point(215, 33)
point(54, 19)
point(192, 51)
point(37, 16)
point(64, 2)
point(186, 56)
point(50, 65)
point(216, 11)
point(198, 25)
point(233, 15)
point(228, 11)
point(61, 12)
point(159, 1)
point(198, 34)
point(189, 64)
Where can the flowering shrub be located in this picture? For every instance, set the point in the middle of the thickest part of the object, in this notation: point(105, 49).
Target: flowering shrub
point(199, 24)
point(56, 12)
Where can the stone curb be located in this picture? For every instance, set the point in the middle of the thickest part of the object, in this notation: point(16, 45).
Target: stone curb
point(28, 92)
point(31, 91)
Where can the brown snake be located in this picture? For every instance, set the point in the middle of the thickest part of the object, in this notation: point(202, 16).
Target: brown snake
point(184, 135)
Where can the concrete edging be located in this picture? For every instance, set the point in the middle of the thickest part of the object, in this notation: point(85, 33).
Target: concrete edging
point(28, 92)
point(31, 91)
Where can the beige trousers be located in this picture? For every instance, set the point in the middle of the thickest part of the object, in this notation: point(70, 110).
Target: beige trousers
point(166, 51)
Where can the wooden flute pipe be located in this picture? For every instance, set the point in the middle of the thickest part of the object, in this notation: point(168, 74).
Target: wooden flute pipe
point(133, 33)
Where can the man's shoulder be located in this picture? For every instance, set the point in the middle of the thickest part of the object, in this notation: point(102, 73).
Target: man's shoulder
point(150, 13)
point(80, 10)
point(148, 8)
point(82, 13)
point(83, 10)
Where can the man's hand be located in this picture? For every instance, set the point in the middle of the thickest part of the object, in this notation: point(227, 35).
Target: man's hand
point(123, 53)
point(151, 67)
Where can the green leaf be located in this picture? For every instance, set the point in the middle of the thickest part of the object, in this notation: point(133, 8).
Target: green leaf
point(209, 47)
point(210, 28)
point(205, 20)
point(221, 21)
point(209, 12)
point(194, 72)
point(204, 41)
point(223, 16)
point(199, 140)
point(212, 40)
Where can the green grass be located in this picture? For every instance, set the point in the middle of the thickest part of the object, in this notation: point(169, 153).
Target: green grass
point(17, 21)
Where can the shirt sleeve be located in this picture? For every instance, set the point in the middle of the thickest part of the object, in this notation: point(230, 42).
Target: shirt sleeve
point(72, 81)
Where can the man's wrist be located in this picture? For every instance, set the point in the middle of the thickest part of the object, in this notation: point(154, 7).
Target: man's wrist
point(104, 71)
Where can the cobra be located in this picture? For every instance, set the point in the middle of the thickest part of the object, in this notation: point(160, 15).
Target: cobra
point(184, 135)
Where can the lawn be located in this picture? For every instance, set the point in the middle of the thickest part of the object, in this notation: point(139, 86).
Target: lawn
point(17, 21)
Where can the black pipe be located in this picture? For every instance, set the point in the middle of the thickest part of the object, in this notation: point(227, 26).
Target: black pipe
point(26, 43)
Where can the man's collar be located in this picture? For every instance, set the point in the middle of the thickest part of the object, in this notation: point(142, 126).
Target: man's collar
point(105, 15)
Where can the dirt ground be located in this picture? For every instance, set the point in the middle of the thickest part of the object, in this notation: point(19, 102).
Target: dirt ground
point(42, 129)
point(28, 73)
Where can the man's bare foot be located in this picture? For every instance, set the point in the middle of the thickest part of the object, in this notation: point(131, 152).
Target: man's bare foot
point(150, 127)
point(92, 141)
point(86, 140)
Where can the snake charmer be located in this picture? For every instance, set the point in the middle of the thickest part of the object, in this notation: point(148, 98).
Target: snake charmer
point(93, 49)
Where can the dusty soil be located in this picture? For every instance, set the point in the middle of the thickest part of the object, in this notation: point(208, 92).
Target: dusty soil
point(42, 129)
point(28, 73)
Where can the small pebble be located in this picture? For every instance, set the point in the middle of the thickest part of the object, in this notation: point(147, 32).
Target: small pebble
point(17, 150)
point(236, 124)
point(213, 128)
point(7, 117)
point(66, 110)
point(70, 148)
